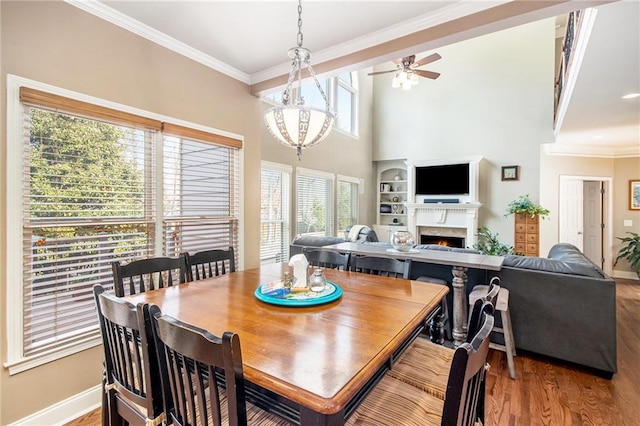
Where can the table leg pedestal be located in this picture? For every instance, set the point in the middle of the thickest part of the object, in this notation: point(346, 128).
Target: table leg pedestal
point(459, 305)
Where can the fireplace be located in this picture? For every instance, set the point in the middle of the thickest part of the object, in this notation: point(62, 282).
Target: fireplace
point(458, 222)
point(443, 236)
point(442, 240)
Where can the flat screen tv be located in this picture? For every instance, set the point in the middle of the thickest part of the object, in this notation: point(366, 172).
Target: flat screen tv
point(448, 179)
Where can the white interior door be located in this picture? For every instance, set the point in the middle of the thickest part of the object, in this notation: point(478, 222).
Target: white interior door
point(571, 212)
point(592, 220)
point(585, 217)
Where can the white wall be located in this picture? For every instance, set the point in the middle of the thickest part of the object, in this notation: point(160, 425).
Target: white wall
point(620, 170)
point(494, 98)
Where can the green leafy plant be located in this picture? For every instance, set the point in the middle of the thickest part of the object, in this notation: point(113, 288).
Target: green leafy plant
point(630, 251)
point(524, 205)
point(488, 243)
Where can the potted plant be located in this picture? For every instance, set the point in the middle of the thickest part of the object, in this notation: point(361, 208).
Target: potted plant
point(630, 251)
point(488, 243)
point(524, 205)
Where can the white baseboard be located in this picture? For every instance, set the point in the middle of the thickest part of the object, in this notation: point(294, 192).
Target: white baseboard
point(625, 274)
point(65, 411)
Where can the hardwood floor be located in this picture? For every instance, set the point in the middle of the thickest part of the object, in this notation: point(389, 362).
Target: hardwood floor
point(552, 393)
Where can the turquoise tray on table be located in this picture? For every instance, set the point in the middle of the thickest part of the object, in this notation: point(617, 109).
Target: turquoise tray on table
point(281, 296)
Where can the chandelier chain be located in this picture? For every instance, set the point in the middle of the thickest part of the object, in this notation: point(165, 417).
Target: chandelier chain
point(313, 74)
point(300, 37)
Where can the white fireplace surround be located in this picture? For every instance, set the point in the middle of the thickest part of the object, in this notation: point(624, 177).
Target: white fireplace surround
point(445, 218)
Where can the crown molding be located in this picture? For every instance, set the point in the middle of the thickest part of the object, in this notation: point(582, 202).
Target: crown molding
point(102, 11)
point(598, 151)
point(447, 13)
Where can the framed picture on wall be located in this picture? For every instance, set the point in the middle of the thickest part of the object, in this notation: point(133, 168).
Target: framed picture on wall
point(634, 194)
point(510, 172)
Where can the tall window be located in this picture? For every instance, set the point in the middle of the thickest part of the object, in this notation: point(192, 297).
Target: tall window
point(87, 192)
point(345, 103)
point(348, 190)
point(314, 202)
point(342, 93)
point(201, 206)
point(275, 183)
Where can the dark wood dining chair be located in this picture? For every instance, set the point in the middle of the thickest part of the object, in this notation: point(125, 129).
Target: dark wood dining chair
point(210, 263)
point(395, 402)
point(383, 266)
point(427, 365)
point(189, 356)
point(148, 274)
point(132, 386)
point(327, 259)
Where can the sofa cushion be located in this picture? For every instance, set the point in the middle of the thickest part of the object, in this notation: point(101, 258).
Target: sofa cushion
point(553, 265)
point(316, 240)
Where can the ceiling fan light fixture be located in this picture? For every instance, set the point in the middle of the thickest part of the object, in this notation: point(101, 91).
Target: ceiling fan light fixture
point(407, 74)
point(291, 122)
point(395, 83)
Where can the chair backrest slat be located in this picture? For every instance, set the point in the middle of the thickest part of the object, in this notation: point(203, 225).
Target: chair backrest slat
point(131, 373)
point(142, 275)
point(382, 266)
point(467, 375)
point(210, 263)
point(190, 358)
point(327, 259)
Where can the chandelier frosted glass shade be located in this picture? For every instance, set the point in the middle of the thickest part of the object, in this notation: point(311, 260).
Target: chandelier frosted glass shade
point(299, 126)
point(292, 123)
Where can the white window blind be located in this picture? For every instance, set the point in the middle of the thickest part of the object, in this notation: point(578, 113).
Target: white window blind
point(275, 182)
point(201, 194)
point(85, 180)
point(87, 197)
point(314, 202)
point(348, 190)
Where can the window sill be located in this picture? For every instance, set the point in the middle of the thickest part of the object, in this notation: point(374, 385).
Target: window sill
point(23, 364)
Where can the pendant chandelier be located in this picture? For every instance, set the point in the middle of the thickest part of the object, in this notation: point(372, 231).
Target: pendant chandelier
point(291, 122)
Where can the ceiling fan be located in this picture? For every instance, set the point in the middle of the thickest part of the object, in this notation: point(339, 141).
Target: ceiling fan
point(407, 73)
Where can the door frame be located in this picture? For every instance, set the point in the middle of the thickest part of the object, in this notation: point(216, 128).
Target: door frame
point(607, 215)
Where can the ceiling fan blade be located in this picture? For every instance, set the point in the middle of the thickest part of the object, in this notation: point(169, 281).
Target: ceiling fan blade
point(382, 72)
point(427, 74)
point(424, 61)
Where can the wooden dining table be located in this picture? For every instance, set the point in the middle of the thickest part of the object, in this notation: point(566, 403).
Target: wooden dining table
point(310, 364)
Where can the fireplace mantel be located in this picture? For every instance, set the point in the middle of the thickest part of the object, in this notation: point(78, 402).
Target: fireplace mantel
point(444, 215)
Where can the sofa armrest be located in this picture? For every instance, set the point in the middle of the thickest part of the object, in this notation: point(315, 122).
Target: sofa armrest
point(310, 241)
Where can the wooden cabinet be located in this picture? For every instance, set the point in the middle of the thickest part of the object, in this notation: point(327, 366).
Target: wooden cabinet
point(526, 235)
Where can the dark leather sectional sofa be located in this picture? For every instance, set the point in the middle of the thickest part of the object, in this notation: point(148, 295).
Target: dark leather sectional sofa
point(562, 306)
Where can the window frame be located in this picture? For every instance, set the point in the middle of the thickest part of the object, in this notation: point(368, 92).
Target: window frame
point(356, 200)
point(16, 362)
point(285, 170)
point(336, 84)
point(310, 173)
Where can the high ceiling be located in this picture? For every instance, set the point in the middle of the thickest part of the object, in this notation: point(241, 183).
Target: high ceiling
point(248, 40)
